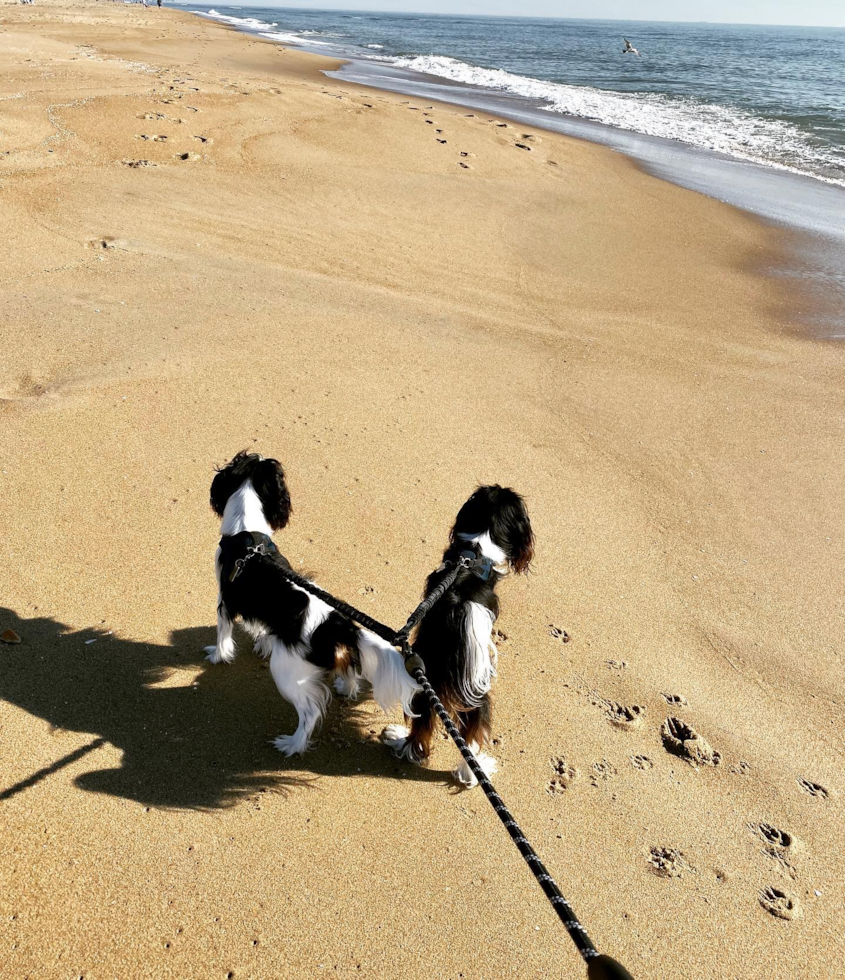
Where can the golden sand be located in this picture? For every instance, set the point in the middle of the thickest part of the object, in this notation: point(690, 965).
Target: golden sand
point(207, 246)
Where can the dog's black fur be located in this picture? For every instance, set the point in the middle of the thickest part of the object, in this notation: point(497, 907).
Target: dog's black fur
point(305, 640)
point(496, 516)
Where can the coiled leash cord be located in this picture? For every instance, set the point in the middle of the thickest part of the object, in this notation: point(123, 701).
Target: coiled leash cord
point(599, 966)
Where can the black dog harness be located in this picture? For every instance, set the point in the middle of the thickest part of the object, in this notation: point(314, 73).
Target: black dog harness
point(262, 544)
point(480, 565)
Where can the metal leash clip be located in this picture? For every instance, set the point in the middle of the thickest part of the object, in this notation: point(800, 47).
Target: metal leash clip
point(480, 566)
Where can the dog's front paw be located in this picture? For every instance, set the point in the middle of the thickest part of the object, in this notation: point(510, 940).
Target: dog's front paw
point(396, 738)
point(219, 655)
point(291, 744)
point(466, 777)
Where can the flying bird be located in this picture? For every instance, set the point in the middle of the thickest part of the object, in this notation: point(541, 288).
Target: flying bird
point(630, 48)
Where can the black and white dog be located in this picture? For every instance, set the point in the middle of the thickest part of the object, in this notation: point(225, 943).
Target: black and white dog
point(306, 640)
point(455, 639)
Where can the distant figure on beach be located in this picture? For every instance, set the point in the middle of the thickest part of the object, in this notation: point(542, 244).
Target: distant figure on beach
point(630, 48)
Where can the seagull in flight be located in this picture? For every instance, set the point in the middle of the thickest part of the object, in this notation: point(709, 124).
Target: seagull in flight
point(629, 48)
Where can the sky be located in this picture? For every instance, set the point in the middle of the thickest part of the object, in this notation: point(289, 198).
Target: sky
point(811, 13)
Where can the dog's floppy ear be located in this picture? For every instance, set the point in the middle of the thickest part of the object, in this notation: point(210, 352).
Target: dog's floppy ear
point(516, 529)
point(225, 483)
point(268, 479)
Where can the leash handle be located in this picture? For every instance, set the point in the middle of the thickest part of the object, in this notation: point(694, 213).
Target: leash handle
point(606, 968)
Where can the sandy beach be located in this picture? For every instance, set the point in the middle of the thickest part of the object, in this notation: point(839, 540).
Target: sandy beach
point(209, 246)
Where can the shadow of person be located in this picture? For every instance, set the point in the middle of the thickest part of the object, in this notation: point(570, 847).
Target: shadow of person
point(192, 741)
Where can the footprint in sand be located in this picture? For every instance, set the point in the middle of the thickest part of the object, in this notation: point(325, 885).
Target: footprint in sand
point(556, 633)
point(502, 125)
point(202, 139)
point(465, 166)
point(431, 123)
point(441, 141)
point(814, 789)
point(625, 716)
point(780, 903)
point(772, 835)
point(616, 664)
point(642, 762)
point(151, 139)
point(602, 772)
point(676, 699)
point(530, 136)
point(779, 845)
point(151, 115)
point(683, 740)
point(565, 776)
point(522, 146)
point(138, 163)
point(668, 862)
point(188, 156)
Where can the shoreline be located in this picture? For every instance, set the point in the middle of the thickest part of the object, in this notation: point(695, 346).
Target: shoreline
point(812, 221)
point(211, 247)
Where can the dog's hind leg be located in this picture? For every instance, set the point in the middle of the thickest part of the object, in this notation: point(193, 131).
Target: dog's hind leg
point(414, 743)
point(476, 727)
point(384, 668)
point(224, 650)
point(347, 683)
point(303, 684)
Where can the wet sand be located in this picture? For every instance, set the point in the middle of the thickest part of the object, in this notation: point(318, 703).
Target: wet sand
point(209, 246)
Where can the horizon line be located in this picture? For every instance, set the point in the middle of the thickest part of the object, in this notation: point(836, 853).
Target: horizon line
point(430, 13)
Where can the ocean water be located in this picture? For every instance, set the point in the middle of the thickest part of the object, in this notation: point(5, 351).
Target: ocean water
point(753, 116)
point(774, 96)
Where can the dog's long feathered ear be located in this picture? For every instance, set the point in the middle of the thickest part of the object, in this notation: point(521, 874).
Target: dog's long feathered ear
point(225, 483)
point(272, 489)
point(519, 533)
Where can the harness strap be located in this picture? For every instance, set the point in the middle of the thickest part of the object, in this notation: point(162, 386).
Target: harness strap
point(262, 544)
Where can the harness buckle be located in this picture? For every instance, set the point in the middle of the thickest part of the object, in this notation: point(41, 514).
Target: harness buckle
point(480, 565)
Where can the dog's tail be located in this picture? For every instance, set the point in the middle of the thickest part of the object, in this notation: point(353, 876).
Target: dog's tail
point(384, 668)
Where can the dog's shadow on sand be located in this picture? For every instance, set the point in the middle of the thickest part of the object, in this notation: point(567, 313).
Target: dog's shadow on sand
point(189, 742)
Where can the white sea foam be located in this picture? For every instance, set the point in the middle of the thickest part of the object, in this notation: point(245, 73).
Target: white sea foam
point(376, 47)
point(284, 38)
point(261, 26)
point(724, 129)
point(250, 23)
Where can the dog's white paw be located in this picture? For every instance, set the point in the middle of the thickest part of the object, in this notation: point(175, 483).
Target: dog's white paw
point(466, 777)
point(291, 744)
point(395, 737)
point(219, 655)
point(347, 686)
